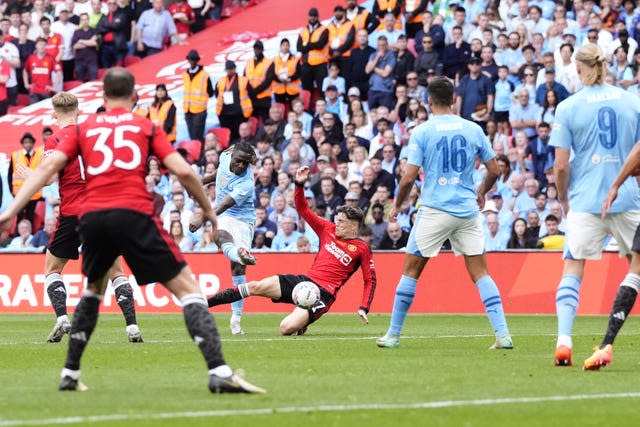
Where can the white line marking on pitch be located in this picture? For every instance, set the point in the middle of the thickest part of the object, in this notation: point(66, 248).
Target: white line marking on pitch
point(319, 408)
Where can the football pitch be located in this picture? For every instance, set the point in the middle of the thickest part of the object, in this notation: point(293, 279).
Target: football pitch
point(442, 375)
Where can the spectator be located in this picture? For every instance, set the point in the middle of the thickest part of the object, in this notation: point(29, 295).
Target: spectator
point(512, 57)
point(455, 55)
point(358, 63)
point(413, 11)
point(334, 103)
point(285, 239)
point(432, 30)
point(341, 39)
point(85, 42)
point(115, 29)
point(158, 200)
point(41, 238)
point(459, 20)
point(494, 239)
point(264, 225)
point(381, 65)
point(162, 112)
point(540, 200)
point(540, 153)
point(313, 44)
point(523, 116)
point(395, 237)
point(39, 10)
point(66, 29)
point(37, 73)
point(328, 196)
point(533, 226)
point(303, 245)
point(519, 238)
point(197, 91)
point(548, 110)
point(233, 105)
point(567, 74)
point(525, 202)
point(380, 197)
point(381, 176)
point(360, 17)
point(5, 75)
point(404, 61)
point(377, 225)
point(415, 90)
point(550, 83)
point(96, 13)
point(334, 79)
point(620, 68)
point(183, 17)
point(286, 85)
point(151, 29)
point(259, 73)
point(22, 242)
point(25, 47)
point(389, 30)
point(475, 94)
point(177, 204)
point(184, 243)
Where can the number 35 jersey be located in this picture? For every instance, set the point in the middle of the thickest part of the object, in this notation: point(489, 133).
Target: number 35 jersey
point(114, 147)
point(446, 147)
point(599, 124)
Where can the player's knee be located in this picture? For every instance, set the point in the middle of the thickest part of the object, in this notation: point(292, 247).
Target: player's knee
point(286, 328)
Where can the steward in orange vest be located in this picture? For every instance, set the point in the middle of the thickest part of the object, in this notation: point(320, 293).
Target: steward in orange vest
point(382, 7)
point(313, 44)
point(259, 72)
point(341, 38)
point(163, 113)
point(31, 158)
point(197, 89)
point(233, 105)
point(286, 83)
point(360, 17)
point(413, 10)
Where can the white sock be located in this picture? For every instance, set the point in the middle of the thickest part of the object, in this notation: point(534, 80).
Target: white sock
point(564, 340)
point(222, 371)
point(235, 318)
point(63, 318)
point(70, 373)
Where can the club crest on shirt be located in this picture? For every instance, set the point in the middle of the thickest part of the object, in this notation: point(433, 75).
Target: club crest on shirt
point(352, 248)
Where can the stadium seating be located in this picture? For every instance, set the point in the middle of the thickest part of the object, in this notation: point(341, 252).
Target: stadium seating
point(223, 135)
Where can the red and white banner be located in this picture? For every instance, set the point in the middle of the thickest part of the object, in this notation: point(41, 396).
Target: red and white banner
point(527, 282)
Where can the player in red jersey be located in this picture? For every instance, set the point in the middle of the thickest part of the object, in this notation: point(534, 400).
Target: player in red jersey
point(65, 240)
point(341, 254)
point(116, 219)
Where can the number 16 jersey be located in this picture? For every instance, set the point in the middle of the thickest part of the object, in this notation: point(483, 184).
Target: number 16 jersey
point(114, 147)
point(600, 125)
point(446, 147)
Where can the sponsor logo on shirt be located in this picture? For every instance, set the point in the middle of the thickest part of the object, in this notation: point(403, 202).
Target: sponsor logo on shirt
point(115, 119)
point(341, 255)
point(40, 70)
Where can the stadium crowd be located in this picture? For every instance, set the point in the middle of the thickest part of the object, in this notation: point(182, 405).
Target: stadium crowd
point(342, 98)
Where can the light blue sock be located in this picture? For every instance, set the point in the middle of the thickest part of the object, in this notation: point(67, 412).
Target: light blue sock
point(490, 296)
point(567, 303)
point(405, 291)
point(236, 307)
point(230, 250)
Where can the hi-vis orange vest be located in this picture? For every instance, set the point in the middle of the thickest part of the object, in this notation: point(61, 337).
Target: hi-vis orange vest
point(245, 102)
point(360, 20)
point(341, 33)
point(410, 6)
point(291, 88)
point(315, 56)
point(195, 97)
point(388, 6)
point(158, 115)
point(19, 157)
point(257, 74)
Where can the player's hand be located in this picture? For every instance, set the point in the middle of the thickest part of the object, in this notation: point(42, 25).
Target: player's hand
point(23, 172)
point(363, 316)
point(5, 222)
point(393, 214)
point(480, 199)
point(608, 201)
point(195, 223)
point(302, 174)
point(565, 206)
point(211, 216)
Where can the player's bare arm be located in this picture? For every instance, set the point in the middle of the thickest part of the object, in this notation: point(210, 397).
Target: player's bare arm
point(561, 170)
point(629, 168)
point(493, 172)
point(404, 188)
point(208, 179)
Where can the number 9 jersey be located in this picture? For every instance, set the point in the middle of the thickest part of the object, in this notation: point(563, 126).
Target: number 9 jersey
point(114, 147)
point(446, 147)
point(600, 125)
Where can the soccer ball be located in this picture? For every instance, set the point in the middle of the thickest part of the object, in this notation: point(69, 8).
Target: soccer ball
point(305, 295)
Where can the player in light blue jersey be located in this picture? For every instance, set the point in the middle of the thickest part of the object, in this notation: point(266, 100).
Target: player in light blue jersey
point(446, 147)
point(235, 192)
point(593, 133)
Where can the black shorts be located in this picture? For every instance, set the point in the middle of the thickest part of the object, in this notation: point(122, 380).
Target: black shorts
point(501, 116)
point(289, 281)
point(140, 239)
point(65, 240)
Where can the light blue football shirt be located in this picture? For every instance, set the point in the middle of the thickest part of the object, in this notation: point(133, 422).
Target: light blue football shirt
point(240, 187)
point(600, 126)
point(446, 147)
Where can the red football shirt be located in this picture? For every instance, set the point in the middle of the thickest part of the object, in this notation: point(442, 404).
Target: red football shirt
point(337, 258)
point(184, 8)
point(40, 70)
point(5, 71)
point(114, 147)
point(53, 45)
point(71, 178)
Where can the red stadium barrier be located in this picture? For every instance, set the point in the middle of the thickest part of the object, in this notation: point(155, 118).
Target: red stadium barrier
point(527, 282)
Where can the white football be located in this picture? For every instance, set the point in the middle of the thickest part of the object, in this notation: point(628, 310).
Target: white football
point(305, 295)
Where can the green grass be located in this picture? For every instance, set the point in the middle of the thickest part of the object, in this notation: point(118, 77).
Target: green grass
point(441, 358)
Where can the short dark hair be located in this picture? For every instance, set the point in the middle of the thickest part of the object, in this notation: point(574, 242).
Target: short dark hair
point(544, 125)
point(441, 91)
point(540, 193)
point(246, 148)
point(551, 217)
point(351, 212)
point(118, 83)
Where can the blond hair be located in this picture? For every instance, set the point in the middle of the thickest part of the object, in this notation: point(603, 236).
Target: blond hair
point(64, 103)
point(594, 63)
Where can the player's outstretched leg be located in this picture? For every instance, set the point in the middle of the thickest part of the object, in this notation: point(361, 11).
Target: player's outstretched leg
point(229, 295)
point(490, 296)
point(124, 297)
point(405, 292)
point(622, 305)
point(566, 306)
point(84, 322)
point(58, 297)
point(237, 306)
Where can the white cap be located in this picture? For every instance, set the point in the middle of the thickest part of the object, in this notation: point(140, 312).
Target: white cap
point(490, 206)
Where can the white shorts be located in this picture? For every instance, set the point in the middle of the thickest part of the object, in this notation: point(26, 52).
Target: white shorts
point(586, 233)
point(241, 232)
point(433, 227)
